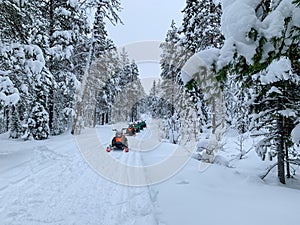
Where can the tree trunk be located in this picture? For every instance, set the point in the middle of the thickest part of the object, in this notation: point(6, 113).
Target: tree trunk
point(95, 118)
point(106, 118)
point(280, 150)
point(6, 117)
point(286, 133)
point(51, 44)
point(102, 119)
point(213, 111)
point(288, 171)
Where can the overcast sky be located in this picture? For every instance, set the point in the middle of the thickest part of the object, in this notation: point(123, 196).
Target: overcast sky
point(145, 20)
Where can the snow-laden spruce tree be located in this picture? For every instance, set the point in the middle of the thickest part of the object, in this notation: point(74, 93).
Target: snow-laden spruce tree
point(170, 67)
point(63, 27)
point(151, 102)
point(173, 129)
point(189, 120)
point(237, 104)
point(201, 25)
point(278, 100)
point(49, 28)
point(262, 47)
point(67, 45)
point(171, 52)
point(101, 81)
point(129, 91)
point(96, 48)
point(37, 125)
point(9, 97)
point(15, 59)
point(200, 30)
point(25, 65)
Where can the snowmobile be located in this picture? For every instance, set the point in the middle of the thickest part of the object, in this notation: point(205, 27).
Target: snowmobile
point(139, 126)
point(130, 131)
point(143, 124)
point(119, 142)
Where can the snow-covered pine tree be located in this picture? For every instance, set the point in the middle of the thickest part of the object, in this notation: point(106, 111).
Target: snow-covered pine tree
point(13, 20)
point(201, 26)
point(278, 99)
point(270, 65)
point(201, 29)
point(63, 28)
point(37, 125)
point(189, 119)
point(104, 9)
point(153, 104)
point(25, 65)
point(237, 104)
point(153, 90)
point(130, 91)
point(170, 67)
point(135, 92)
point(102, 51)
point(9, 97)
point(171, 52)
point(110, 90)
point(121, 107)
point(173, 129)
point(278, 88)
point(15, 126)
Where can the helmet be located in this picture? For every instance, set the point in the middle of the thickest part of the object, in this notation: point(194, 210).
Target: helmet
point(119, 134)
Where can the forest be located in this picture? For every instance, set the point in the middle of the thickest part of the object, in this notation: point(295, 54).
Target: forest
point(60, 72)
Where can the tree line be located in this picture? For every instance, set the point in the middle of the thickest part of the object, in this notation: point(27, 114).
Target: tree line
point(57, 66)
point(258, 76)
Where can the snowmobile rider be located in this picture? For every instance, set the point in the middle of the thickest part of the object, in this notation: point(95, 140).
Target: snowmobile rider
point(130, 130)
point(119, 140)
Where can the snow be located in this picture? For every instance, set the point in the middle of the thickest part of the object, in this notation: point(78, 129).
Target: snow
point(288, 113)
point(49, 182)
point(226, 53)
point(10, 99)
point(199, 62)
point(296, 134)
point(239, 15)
point(274, 90)
point(277, 70)
point(296, 17)
point(73, 3)
point(8, 94)
point(64, 12)
point(238, 20)
point(67, 35)
point(35, 66)
point(273, 25)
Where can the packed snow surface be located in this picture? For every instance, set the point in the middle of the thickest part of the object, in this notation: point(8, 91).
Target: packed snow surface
point(49, 182)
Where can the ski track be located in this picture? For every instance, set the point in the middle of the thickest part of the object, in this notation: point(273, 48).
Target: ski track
point(129, 205)
point(59, 188)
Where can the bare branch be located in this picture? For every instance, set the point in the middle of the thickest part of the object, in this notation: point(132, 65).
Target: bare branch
point(268, 171)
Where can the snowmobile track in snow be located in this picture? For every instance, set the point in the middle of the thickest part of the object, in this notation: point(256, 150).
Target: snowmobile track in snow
point(57, 186)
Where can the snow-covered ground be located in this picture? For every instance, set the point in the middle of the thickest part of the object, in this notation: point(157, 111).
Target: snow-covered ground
point(50, 182)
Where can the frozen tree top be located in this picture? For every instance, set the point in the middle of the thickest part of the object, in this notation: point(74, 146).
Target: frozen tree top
point(238, 20)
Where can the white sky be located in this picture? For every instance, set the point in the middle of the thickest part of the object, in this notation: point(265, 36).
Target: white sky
point(145, 20)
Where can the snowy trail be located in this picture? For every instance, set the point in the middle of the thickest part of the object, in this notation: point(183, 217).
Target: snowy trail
point(49, 182)
point(54, 185)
